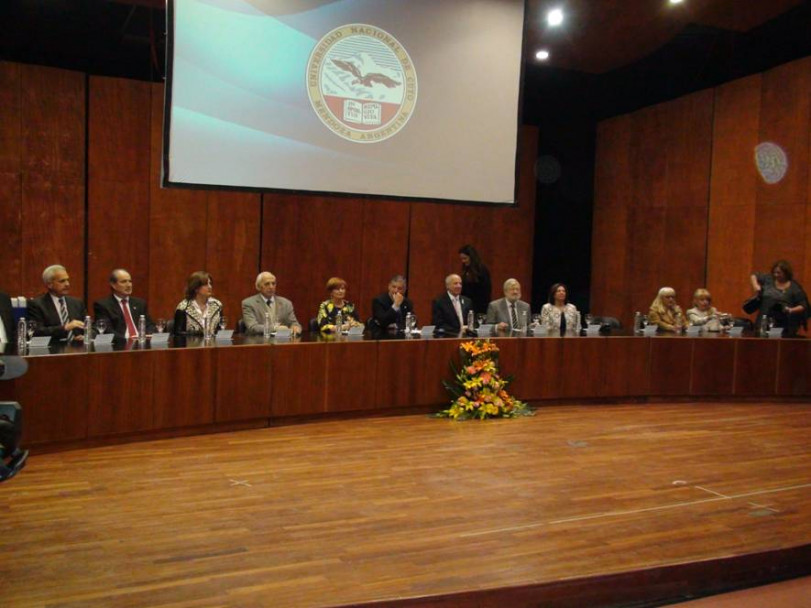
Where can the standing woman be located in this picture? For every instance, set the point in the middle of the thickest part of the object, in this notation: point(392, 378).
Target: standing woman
point(197, 305)
point(337, 303)
point(781, 297)
point(665, 313)
point(475, 279)
point(558, 314)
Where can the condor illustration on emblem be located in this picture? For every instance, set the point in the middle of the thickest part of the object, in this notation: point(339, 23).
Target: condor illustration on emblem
point(361, 83)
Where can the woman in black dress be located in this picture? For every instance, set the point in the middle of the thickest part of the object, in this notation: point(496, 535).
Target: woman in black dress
point(781, 297)
point(475, 279)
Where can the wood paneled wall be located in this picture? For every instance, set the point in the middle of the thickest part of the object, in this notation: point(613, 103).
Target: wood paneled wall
point(127, 220)
point(679, 200)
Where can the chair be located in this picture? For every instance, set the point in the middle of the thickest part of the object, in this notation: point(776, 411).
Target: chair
point(314, 325)
point(610, 322)
point(743, 322)
point(240, 327)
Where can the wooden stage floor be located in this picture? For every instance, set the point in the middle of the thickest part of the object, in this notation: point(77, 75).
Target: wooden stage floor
point(578, 506)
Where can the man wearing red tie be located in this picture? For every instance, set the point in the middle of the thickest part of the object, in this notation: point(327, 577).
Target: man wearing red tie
point(121, 309)
point(56, 313)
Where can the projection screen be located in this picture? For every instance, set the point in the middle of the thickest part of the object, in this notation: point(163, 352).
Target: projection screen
point(397, 98)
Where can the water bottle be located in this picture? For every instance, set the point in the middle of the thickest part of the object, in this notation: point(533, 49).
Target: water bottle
point(637, 322)
point(523, 320)
point(207, 329)
point(764, 326)
point(471, 319)
point(22, 334)
point(142, 328)
point(266, 328)
point(339, 321)
point(88, 325)
point(409, 319)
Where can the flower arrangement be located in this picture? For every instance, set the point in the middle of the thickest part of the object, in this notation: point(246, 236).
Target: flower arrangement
point(478, 390)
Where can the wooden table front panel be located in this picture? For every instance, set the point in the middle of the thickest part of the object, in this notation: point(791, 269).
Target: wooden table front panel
point(399, 373)
point(670, 365)
point(794, 368)
point(756, 367)
point(713, 368)
point(351, 376)
point(243, 383)
point(626, 361)
point(299, 379)
point(183, 384)
point(120, 396)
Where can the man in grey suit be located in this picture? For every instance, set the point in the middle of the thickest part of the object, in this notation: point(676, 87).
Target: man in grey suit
point(279, 309)
point(509, 312)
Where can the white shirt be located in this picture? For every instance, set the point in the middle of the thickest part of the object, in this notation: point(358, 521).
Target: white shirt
point(457, 306)
point(3, 332)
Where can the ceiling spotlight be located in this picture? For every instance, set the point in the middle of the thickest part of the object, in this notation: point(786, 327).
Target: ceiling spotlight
point(554, 17)
point(676, 1)
point(542, 55)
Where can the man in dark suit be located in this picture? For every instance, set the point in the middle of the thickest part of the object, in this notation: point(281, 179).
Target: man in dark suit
point(389, 309)
point(56, 313)
point(8, 329)
point(449, 311)
point(121, 309)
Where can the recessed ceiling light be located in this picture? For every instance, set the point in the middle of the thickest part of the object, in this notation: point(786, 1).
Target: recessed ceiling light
point(554, 17)
point(676, 1)
point(542, 55)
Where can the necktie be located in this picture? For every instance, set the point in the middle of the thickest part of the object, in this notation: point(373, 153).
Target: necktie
point(272, 308)
point(513, 316)
point(63, 316)
point(133, 333)
point(458, 308)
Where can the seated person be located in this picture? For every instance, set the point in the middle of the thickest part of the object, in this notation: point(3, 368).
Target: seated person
point(280, 310)
point(558, 314)
point(121, 309)
point(449, 311)
point(197, 306)
point(665, 313)
point(337, 303)
point(781, 297)
point(389, 309)
point(509, 312)
point(55, 313)
point(703, 312)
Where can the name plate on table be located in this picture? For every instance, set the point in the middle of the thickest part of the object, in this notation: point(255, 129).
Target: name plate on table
point(693, 330)
point(776, 332)
point(650, 330)
point(593, 330)
point(485, 330)
point(224, 335)
point(427, 331)
point(735, 332)
point(103, 339)
point(161, 338)
point(161, 343)
point(539, 331)
point(40, 342)
point(355, 330)
point(103, 347)
point(283, 333)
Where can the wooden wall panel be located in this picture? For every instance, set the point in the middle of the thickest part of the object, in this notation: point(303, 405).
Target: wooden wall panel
point(784, 120)
point(53, 166)
point(733, 192)
point(610, 252)
point(232, 247)
point(10, 175)
point(118, 183)
point(177, 228)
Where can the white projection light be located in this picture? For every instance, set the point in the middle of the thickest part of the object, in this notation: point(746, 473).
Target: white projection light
point(542, 55)
point(554, 17)
point(771, 162)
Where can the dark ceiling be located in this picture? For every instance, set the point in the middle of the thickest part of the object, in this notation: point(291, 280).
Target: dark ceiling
point(609, 55)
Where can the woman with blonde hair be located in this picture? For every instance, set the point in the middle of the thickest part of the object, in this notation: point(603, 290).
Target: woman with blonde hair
point(703, 313)
point(665, 313)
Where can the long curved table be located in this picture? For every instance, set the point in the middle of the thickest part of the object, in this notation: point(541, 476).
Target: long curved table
point(74, 395)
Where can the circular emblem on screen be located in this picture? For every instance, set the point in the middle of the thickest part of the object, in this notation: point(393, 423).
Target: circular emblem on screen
point(771, 161)
point(361, 83)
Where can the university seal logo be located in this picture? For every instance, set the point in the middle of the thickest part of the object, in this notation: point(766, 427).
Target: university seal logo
point(361, 83)
point(771, 161)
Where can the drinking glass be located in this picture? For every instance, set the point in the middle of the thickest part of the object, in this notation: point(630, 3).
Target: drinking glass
point(160, 325)
point(589, 320)
point(536, 320)
point(101, 325)
point(223, 322)
point(481, 319)
point(644, 321)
